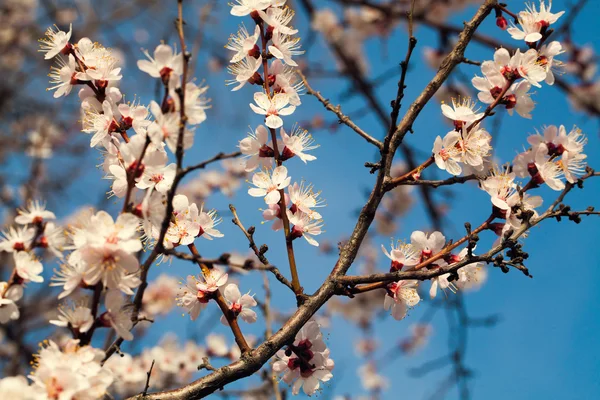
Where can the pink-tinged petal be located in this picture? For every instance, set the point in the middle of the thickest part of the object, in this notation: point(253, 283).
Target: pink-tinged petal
point(232, 293)
point(248, 315)
point(248, 301)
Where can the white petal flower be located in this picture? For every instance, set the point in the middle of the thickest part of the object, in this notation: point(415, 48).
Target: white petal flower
point(239, 304)
point(268, 184)
point(272, 108)
point(55, 42)
point(165, 62)
point(401, 296)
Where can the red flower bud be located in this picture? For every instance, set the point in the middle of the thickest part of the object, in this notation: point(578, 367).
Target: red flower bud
point(501, 22)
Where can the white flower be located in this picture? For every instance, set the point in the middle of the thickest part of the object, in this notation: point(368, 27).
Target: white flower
point(448, 152)
point(304, 226)
point(207, 222)
point(195, 103)
point(17, 239)
point(166, 127)
point(573, 165)
point(401, 296)
point(519, 98)
point(306, 363)
point(192, 299)
point(256, 149)
point(100, 124)
point(272, 108)
point(547, 61)
point(28, 267)
point(135, 116)
point(165, 62)
point(520, 65)
point(528, 29)
point(118, 314)
point(55, 42)
point(475, 146)
point(72, 373)
point(558, 140)
point(70, 275)
point(35, 213)
point(112, 266)
point(287, 81)
point(54, 239)
point(500, 185)
point(279, 18)
point(297, 144)
point(401, 255)
point(284, 47)
point(105, 70)
point(427, 245)
point(243, 44)
point(532, 21)
point(239, 304)
point(268, 184)
point(159, 178)
point(74, 316)
point(184, 226)
point(461, 112)
point(302, 197)
point(245, 71)
point(63, 77)
point(443, 283)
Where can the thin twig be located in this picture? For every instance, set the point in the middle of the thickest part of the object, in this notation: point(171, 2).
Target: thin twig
point(337, 110)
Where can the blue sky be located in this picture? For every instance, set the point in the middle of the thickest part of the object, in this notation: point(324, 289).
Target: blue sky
point(545, 343)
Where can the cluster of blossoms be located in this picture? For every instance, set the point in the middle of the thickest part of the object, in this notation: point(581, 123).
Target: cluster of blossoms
point(403, 295)
point(506, 81)
point(34, 236)
point(103, 256)
point(273, 39)
point(305, 363)
point(198, 291)
point(68, 371)
point(553, 157)
point(174, 362)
